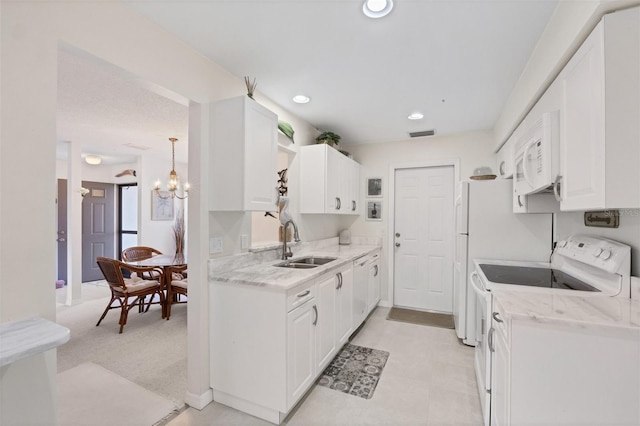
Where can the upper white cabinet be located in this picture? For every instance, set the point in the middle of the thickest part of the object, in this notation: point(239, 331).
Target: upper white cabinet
point(329, 181)
point(600, 143)
point(243, 156)
point(505, 158)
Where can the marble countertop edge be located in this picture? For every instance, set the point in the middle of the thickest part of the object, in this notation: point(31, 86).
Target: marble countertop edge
point(24, 338)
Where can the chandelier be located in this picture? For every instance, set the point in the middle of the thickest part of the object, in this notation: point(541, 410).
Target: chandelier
point(174, 183)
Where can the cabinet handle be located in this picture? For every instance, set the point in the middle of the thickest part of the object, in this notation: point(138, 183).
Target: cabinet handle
point(338, 203)
point(304, 293)
point(353, 205)
point(397, 244)
point(315, 318)
point(502, 169)
point(496, 317)
point(520, 202)
point(490, 339)
point(375, 274)
point(556, 188)
point(339, 285)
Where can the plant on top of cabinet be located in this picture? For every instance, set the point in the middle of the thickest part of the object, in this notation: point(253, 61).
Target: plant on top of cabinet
point(329, 138)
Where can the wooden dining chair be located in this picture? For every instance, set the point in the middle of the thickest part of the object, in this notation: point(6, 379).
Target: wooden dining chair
point(177, 286)
point(129, 292)
point(136, 253)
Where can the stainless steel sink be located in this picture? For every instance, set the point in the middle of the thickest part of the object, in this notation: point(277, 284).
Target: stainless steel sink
point(296, 265)
point(312, 260)
point(305, 262)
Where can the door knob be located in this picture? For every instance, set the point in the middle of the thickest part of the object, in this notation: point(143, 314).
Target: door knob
point(397, 244)
point(61, 240)
point(397, 234)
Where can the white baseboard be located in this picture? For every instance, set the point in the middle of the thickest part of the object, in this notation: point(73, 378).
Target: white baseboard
point(268, 414)
point(199, 401)
point(385, 304)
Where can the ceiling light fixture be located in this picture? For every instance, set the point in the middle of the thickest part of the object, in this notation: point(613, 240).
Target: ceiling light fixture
point(301, 99)
point(94, 160)
point(416, 116)
point(174, 183)
point(377, 8)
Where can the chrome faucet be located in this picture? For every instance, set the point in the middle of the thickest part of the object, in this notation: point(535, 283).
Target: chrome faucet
point(286, 253)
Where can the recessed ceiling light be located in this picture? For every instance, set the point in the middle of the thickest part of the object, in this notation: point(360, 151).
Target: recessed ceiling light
point(301, 99)
point(93, 159)
point(416, 116)
point(377, 8)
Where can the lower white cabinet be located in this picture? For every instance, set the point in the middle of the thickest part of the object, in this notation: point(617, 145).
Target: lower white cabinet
point(374, 282)
point(301, 347)
point(269, 346)
point(572, 373)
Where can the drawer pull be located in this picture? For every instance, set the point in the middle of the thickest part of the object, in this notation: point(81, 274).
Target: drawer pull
point(304, 293)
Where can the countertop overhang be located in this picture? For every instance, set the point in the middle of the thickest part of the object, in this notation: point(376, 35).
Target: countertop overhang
point(31, 336)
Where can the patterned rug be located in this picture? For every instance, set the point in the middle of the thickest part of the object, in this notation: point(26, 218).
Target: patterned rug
point(355, 370)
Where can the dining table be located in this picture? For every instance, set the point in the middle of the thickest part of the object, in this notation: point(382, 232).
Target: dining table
point(164, 261)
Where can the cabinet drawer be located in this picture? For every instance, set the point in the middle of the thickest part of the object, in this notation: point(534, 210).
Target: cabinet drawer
point(300, 294)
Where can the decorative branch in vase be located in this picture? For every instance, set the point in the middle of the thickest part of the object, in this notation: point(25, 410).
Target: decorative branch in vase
point(179, 231)
point(251, 86)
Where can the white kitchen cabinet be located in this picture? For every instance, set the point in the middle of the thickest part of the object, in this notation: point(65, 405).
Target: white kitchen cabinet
point(344, 306)
point(374, 282)
point(243, 156)
point(329, 181)
point(505, 158)
point(601, 106)
point(550, 373)
point(326, 340)
point(301, 348)
point(499, 373)
point(541, 202)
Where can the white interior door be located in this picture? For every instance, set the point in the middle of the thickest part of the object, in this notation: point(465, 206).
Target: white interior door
point(423, 231)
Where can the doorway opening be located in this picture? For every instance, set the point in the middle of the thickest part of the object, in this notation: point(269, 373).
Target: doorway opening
point(127, 233)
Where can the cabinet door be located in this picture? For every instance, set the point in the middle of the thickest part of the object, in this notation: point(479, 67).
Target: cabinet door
point(301, 346)
point(374, 284)
point(500, 381)
point(261, 158)
point(344, 306)
point(326, 320)
point(354, 187)
point(583, 155)
point(335, 183)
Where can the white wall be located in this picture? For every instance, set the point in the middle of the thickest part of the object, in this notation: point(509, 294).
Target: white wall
point(569, 25)
point(473, 149)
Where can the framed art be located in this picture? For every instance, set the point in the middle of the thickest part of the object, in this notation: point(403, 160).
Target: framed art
point(374, 210)
point(161, 208)
point(374, 187)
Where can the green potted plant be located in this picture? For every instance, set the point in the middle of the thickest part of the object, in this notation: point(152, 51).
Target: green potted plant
point(328, 138)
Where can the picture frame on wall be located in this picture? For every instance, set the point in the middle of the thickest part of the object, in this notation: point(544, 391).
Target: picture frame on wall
point(374, 210)
point(374, 187)
point(161, 208)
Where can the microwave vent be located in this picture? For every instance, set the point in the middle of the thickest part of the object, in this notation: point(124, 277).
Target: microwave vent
point(422, 133)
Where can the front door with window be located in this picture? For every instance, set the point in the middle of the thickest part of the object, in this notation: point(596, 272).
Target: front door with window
point(98, 227)
point(423, 233)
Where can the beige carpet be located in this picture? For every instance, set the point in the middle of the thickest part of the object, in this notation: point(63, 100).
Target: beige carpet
point(423, 318)
point(150, 352)
point(89, 395)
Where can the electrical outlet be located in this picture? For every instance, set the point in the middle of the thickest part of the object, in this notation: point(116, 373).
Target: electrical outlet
point(244, 241)
point(215, 245)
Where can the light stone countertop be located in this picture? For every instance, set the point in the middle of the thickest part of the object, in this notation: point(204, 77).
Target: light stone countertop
point(21, 339)
point(265, 274)
point(582, 311)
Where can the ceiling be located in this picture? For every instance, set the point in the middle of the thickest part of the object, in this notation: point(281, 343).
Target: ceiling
point(454, 61)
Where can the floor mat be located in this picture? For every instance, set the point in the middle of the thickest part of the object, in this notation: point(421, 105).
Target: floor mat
point(92, 395)
point(423, 318)
point(355, 370)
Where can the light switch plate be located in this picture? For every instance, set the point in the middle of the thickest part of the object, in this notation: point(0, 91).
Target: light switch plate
point(215, 245)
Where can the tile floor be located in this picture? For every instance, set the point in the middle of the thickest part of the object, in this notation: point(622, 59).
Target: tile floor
point(428, 380)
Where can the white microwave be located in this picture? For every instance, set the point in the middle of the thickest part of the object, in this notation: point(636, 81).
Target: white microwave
point(537, 161)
